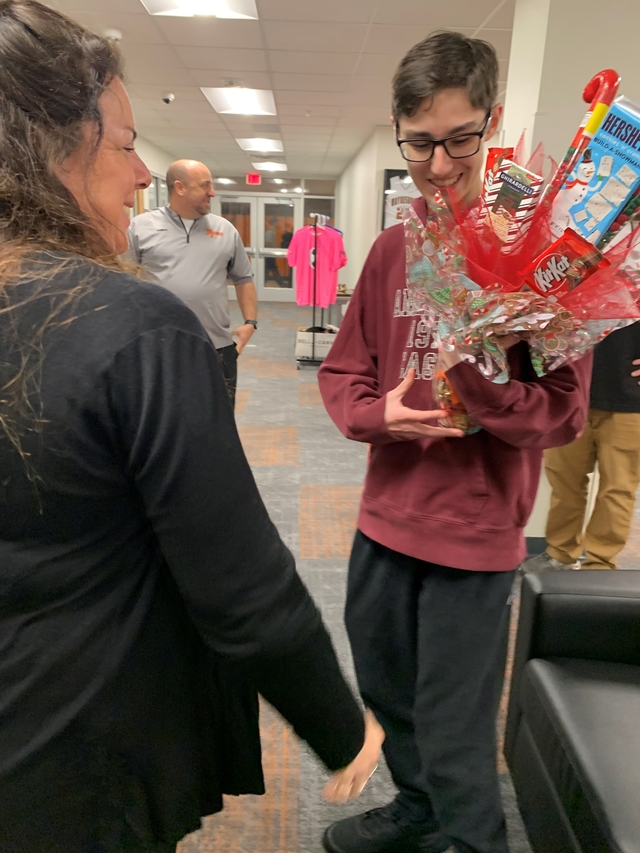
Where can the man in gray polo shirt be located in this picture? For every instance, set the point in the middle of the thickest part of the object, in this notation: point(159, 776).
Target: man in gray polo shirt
point(193, 253)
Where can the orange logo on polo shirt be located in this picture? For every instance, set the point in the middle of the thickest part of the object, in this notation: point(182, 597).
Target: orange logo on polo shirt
point(212, 233)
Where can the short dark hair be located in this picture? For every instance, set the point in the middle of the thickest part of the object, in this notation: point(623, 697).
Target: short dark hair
point(446, 60)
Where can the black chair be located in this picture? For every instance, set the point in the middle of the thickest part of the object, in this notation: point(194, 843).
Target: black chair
point(572, 741)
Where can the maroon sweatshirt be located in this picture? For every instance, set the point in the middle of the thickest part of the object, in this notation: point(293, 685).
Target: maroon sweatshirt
point(459, 502)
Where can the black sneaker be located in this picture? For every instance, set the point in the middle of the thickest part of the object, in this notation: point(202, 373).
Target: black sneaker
point(384, 830)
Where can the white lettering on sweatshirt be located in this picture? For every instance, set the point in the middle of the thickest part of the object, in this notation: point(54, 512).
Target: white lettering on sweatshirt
point(418, 338)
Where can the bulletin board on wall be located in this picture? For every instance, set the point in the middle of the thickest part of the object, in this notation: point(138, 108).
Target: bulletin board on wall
point(399, 193)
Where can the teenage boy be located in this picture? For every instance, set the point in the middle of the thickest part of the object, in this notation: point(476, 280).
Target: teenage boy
point(440, 528)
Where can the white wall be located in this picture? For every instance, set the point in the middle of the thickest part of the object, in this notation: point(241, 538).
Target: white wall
point(157, 160)
point(359, 195)
point(557, 47)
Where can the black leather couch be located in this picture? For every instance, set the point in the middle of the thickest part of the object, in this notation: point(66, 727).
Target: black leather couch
point(573, 729)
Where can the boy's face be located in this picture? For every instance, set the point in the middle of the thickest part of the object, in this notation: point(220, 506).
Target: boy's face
point(447, 114)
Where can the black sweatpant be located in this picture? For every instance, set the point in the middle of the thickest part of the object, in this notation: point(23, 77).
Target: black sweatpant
point(229, 362)
point(429, 645)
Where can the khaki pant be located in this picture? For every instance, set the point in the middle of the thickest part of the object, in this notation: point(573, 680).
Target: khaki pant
point(612, 439)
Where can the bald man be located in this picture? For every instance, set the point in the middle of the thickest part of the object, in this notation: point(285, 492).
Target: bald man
point(193, 253)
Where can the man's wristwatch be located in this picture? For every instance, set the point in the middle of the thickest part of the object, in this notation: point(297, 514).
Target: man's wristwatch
point(253, 323)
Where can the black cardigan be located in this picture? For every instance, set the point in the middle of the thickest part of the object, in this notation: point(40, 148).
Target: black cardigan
point(145, 595)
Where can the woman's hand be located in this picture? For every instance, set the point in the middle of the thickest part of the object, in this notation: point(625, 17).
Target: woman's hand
point(349, 783)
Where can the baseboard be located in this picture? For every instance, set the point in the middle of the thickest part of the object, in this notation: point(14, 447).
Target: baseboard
point(535, 545)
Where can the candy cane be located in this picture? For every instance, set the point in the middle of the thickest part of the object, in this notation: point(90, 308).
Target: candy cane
point(599, 92)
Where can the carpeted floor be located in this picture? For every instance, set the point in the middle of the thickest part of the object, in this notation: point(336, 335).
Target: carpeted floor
point(310, 478)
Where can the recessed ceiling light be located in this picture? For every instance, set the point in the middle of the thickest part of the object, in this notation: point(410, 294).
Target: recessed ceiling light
point(243, 9)
point(236, 100)
point(223, 181)
point(297, 189)
point(267, 146)
point(284, 190)
point(268, 166)
point(277, 181)
point(389, 192)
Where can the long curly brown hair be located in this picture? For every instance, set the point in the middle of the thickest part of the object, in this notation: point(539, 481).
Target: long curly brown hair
point(52, 74)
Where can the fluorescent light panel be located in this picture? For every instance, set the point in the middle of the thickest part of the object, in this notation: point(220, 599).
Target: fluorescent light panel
point(223, 181)
point(258, 144)
point(240, 9)
point(237, 100)
point(268, 166)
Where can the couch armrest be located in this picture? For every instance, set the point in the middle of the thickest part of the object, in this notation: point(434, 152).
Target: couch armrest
point(593, 615)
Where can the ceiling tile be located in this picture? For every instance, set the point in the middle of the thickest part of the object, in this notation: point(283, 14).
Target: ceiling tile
point(335, 11)
point(303, 109)
point(155, 55)
point(373, 86)
point(299, 132)
point(397, 39)
point(224, 59)
point(310, 62)
point(317, 50)
point(378, 65)
point(135, 29)
point(503, 17)
point(214, 79)
point(309, 121)
point(311, 146)
point(69, 7)
point(301, 150)
point(327, 38)
point(200, 127)
point(189, 111)
point(500, 39)
point(349, 133)
point(367, 115)
point(154, 92)
point(309, 99)
point(349, 121)
point(165, 78)
point(356, 99)
point(311, 82)
point(211, 32)
point(436, 16)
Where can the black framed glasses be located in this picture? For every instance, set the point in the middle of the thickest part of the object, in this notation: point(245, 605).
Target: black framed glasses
point(461, 145)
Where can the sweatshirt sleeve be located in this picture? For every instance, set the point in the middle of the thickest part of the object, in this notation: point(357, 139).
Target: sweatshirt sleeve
point(348, 376)
point(537, 414)
point(237, 579)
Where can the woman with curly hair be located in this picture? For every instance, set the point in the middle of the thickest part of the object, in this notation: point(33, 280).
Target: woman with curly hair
point(145, 596)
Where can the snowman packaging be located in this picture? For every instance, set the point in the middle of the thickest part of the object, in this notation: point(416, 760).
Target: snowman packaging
point(605, 179)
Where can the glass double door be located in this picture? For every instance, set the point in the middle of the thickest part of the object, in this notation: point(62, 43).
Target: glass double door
point(266, 225)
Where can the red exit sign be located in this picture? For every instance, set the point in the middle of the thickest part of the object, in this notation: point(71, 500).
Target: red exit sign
point(254, 179)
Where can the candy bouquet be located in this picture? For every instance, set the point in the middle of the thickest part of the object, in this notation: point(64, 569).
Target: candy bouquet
point(557, 266)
